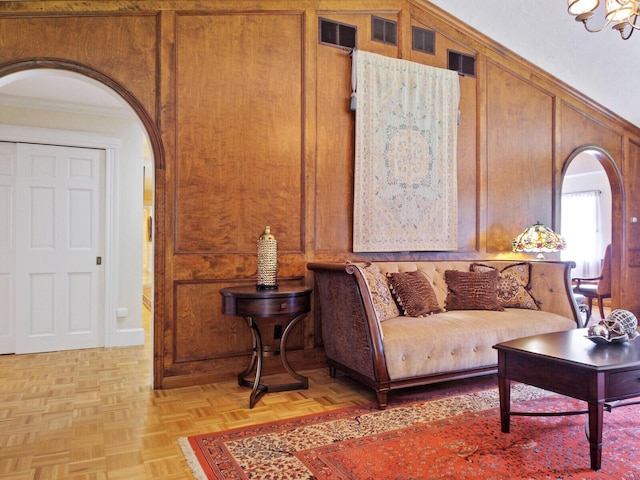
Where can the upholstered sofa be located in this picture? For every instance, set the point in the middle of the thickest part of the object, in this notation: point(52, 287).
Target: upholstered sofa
point(391, 329)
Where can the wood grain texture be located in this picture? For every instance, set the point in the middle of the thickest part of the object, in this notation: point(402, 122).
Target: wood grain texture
point(519, 124)
point(249, 123)
point(239, 135)
point(123, 41)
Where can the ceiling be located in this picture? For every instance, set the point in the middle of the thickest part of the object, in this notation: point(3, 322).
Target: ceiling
point(59, 89)
point(542, 32)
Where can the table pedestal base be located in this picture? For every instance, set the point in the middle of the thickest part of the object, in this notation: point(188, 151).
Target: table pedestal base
point(258, 389)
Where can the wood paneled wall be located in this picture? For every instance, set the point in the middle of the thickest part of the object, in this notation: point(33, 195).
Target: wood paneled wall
point(249, 119)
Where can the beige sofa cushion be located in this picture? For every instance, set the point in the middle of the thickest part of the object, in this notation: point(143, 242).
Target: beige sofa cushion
point(460, 339)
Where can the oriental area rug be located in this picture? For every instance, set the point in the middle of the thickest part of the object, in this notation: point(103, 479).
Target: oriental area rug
point(422, 437)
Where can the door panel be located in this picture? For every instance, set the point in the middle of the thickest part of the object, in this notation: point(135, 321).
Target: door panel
point(7, 252)
point(59, 235)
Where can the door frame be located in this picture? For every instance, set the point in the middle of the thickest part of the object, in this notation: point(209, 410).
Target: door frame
point(111, 145)
point(618, 213)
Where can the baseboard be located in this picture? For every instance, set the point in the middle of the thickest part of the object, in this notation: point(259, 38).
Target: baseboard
point(128, 337)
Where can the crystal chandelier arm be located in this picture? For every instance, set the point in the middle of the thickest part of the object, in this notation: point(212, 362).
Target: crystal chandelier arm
point(585, 17)
point(620, 14)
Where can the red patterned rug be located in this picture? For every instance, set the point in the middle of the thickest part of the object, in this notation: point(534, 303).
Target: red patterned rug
point(429, 436)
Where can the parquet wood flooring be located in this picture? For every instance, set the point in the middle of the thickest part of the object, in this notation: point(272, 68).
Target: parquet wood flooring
point(93, 415)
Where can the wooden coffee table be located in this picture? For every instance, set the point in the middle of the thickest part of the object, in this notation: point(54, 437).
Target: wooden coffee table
point(572, 365)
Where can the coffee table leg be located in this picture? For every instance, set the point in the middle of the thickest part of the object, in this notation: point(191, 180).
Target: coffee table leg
point(504, 389)
point(596, 412)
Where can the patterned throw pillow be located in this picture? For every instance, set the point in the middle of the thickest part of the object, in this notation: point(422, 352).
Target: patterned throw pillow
point(383, 302)
point(414, 293)
point(472, 290)
point(513, 286)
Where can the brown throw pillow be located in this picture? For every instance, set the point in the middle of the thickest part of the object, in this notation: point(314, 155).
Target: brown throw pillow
point(383, 302)
point(472, 290)
point(414, 293)
point(513, 285)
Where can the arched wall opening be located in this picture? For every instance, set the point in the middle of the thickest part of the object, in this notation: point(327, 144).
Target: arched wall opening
point(614, 177)
point(97, 139)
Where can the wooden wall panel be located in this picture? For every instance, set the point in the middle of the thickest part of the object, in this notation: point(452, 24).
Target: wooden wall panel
point(336, 122)
point(334, 160)
point(467, 167)
point(632, 198)
point(467, 151)
point(201, 331)
point(519, 150)
point(122, 47)
point(579, 129)
point(629, 298)
point(252, 124)
point(239, 136)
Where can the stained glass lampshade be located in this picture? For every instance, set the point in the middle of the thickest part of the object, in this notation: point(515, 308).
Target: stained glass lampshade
point(540, 239)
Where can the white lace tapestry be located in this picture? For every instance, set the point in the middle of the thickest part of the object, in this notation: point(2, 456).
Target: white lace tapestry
point(405, 190)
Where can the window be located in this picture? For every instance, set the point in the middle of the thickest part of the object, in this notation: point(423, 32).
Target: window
point(581, 228)
point(463, 64)
point(385, 31)
point(423, 40)
point(337, 34)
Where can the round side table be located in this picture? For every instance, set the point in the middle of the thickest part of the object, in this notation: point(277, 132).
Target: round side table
point(291, 303)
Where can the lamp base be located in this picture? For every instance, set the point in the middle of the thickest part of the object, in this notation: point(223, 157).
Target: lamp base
point(266, 287)
point(540, 256)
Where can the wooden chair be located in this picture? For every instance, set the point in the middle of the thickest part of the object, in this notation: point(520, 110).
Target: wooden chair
point(596, 287)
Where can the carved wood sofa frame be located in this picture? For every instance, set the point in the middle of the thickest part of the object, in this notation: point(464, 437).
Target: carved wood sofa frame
point(352, 339)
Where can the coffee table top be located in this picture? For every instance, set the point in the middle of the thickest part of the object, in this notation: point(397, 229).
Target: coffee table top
point(572, 346)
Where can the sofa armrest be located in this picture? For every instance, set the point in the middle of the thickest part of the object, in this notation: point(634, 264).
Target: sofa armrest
point(350, 330)
point(551, 287)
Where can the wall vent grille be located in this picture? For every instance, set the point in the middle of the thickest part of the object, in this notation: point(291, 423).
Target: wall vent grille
point(463, 64)
point(383, 30)
point(337, 34)
point(423, 40)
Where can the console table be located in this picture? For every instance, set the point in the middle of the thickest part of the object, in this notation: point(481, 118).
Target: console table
point(572, 365)
point(291, 303)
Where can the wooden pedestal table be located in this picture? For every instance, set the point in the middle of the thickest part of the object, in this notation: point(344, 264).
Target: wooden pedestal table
point(290, 303)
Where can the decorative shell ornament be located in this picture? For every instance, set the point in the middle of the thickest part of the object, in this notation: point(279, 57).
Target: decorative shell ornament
point(618, 327)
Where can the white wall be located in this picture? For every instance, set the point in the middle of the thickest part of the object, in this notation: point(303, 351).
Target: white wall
point(129, 199)
point(585, 173)
point(594, 178)
point(542, 32)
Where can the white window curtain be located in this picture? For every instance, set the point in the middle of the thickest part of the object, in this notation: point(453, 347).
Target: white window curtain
point(582, 230)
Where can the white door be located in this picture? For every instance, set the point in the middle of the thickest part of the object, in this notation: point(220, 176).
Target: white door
point(59, 229)
point(7, 242)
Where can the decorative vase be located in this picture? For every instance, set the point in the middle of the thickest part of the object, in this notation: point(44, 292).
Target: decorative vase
point(267, 260)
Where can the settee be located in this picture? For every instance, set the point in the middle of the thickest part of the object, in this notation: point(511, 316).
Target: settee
point(393, 325)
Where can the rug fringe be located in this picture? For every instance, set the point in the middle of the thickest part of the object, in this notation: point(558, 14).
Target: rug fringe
point(191, 458)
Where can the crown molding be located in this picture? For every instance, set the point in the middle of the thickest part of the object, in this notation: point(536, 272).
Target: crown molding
point(64, 106)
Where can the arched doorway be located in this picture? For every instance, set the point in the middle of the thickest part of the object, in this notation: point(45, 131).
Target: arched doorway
point(125, 173)
point(599, 177)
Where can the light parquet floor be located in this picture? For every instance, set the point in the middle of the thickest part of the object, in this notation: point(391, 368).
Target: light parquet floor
point(92, 414)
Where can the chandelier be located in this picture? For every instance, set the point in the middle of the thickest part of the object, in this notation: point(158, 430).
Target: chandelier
point(622, 15)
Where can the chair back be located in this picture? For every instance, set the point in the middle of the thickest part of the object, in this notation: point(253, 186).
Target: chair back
point(604, 285)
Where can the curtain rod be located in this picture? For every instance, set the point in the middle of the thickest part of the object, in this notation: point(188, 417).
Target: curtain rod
point(599, 192)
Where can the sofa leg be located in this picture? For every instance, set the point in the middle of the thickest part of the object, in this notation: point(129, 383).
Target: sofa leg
point(332, 372)
point(382, 399)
